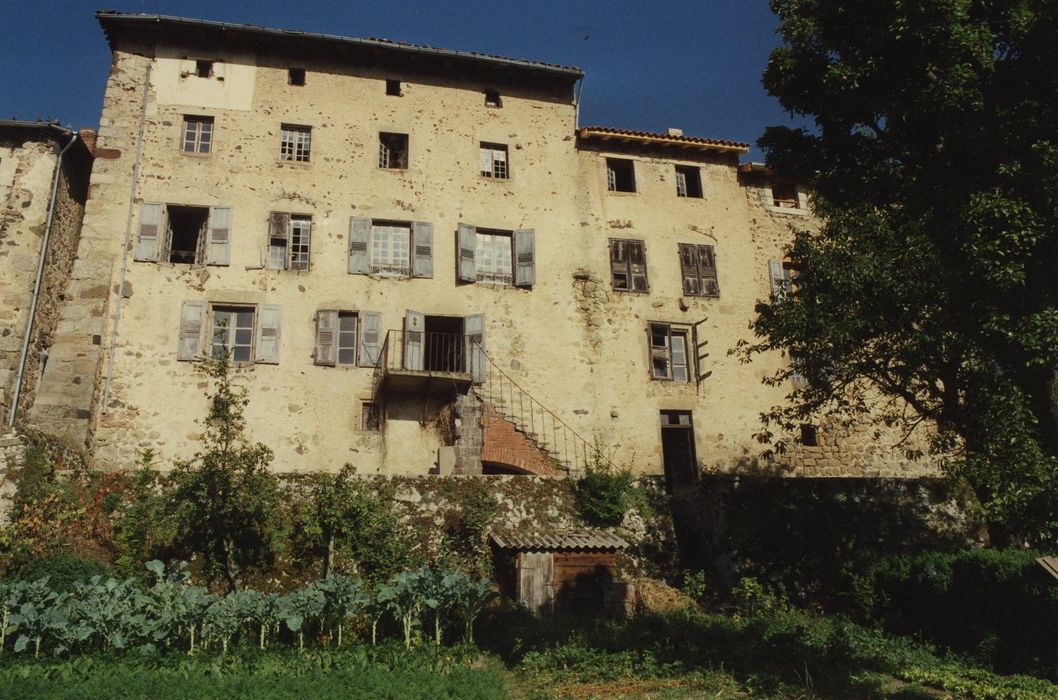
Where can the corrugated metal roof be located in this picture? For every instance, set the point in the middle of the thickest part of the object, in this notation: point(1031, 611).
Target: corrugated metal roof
point(110, 19)
point(516, 538)
point(1050, 564)
point(606, 132)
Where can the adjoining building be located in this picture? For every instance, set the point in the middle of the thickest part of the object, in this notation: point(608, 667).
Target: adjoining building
point(44, 171)
point(418, 262)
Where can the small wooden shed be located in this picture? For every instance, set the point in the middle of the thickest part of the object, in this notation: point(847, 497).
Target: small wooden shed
point(566, 570)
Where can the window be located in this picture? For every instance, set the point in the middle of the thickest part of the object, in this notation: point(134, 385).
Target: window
point(494, 160)
point(809, 435)
point(493, 256)
point(390, 248)
point(392, 151)
point(296, 76)
point(489, 255)
point(628, 265)
point(698, 267)
point(204, 68)
point(183, 235)
point(688, 181)
point(796, 363)
point(294, 143)
point(780, 279)
point(669, 352)
point(370, 417)
point(393, 88)
point(492, 98)
point(198, 134)
point(620, 175)
point(784, 195)
point(231, 333)
point(289, 236)
point(243, 333)
point(346, 338)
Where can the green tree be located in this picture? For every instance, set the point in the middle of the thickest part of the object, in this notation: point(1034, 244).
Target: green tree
point(930, 146)
point(225, 501)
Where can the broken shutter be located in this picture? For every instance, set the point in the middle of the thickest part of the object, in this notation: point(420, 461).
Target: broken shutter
point(370, 338)
point(278, 225)
point(269, 318)
point(689, 269)
point(278, 240)
point(359, 233)
point(775, 273)
point(637, 265)
point(148, 242)
point(326, 336)
point(474, 335)
point(218, 244)
point(707, 271)
point(619, 264)
point(414, 339)
point(468, 245)
point(192, 326)
point(422, 240)
point(525, 258)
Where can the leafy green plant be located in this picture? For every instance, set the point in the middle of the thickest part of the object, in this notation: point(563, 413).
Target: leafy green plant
point(344, 599)
point(604, 493)
point(470, 598)
point(299, 608)
point(752, 598)
point(403, 596)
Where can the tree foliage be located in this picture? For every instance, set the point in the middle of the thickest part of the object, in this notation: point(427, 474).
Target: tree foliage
point(225, 500)
point(928, 295)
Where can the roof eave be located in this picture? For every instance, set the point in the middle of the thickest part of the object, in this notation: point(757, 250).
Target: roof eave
point(678, 142)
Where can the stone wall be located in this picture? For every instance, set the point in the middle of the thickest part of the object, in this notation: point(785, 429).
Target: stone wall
point(12, 458)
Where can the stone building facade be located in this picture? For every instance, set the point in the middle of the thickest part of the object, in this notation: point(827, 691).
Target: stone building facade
point(416, 258)
point(32, 227)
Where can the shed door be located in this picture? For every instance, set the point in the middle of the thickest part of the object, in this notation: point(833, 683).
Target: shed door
point(536, 582)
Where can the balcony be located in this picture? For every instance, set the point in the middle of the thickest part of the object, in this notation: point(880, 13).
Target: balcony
point(422, 362)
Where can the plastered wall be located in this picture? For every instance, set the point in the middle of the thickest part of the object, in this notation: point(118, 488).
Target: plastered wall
point(571, 341)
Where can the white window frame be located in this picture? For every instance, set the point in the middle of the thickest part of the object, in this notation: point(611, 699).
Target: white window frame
point(295, 143)
point(341, 334)
point(489, 243)
point(494, 162)
point(296, 251)
point(231, 342)
point(197, 132)
point(389, 266)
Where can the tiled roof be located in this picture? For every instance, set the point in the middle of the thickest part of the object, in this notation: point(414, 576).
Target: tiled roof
point(111, 20)
point(606, 132)
point(518, 538)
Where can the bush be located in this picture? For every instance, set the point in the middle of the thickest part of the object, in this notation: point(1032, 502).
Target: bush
point(63, 571)
point(996, 605)
point(604, 495)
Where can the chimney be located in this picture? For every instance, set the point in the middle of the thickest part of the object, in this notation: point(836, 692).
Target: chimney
point(88, 136)
point(675, 132)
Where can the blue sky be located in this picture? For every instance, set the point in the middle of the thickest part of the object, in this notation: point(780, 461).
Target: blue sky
point(690, 64)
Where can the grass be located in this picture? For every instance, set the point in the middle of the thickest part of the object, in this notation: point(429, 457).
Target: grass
point(782, 655)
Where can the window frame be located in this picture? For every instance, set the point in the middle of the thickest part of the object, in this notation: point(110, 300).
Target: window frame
point(339, 333)
point(613, 176)
point(297, 226)
point(391, 271)
point(386, 151)
point(394, 88)
point(494, 277)
point(666, 351)
point(498, 169)
point(200, 121)
point(295, 143)
point(367, 410)
point(700, 272)
point(778, 202)
point(233, 331)
point(297, 77)
point(493, 98)
point(691, 178)
point(628, 266)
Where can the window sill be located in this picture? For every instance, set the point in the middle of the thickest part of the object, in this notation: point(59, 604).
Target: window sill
point(790, 211)
point(294, 163)
point(393, 170)
point(621, 193)
point(631, 291)
point(489, 178)
point(702, 296)
point(195, 155)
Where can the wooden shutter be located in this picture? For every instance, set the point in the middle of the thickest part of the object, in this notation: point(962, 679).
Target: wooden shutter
point(422, 242)
point(269, 319)
point(524, 257)
point(326, 338)
point(707, 271)
point(776, 276)
point(148, 242)
point(660, 355)
point(218, 242)
point(414, 339)
point(278, 225)
point(474, 335)
point(636, 255)
point(192, 329)
point(619, 275)
point(468, 245)
point(370, 338)
point(359, 234)
point(689, 269)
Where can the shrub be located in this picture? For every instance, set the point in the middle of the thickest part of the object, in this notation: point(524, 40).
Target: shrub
point(63, 571)
point(604, 494)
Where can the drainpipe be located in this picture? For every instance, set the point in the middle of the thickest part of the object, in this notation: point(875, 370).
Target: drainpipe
point(125, 245)
point(576, 118)
point(36, 284)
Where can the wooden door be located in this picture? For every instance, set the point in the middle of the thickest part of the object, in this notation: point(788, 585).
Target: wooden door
point(536, 576)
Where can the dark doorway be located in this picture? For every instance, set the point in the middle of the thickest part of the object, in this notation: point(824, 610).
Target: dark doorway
point(443, 349)
point(187, 231)
point(677, 448)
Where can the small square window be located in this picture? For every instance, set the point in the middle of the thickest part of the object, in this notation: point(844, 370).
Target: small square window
point(670, 352)
point(392, 151)
point(370, 416)
point(393, 88)
point(198, 134)
point(784, 195)
point(204, 68)
point(688, 181)
point(809, 435)
point(296, 76)
point(620, 175)
point(492, 98)
point(494, 161)
point(295, 143)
